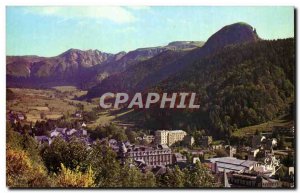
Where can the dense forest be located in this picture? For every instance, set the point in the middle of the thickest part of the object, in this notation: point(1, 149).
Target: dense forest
point(241, 85)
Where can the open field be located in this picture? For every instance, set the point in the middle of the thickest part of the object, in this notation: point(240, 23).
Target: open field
point(52, 103)
point(70, 92)
point(264, 127)
point(107, 117)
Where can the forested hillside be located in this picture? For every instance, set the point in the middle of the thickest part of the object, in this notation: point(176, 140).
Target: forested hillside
point(242, 85)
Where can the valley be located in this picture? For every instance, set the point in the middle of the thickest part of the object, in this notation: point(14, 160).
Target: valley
point(233, 101)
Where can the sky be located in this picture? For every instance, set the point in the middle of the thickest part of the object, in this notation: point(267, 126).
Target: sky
point(49, 31)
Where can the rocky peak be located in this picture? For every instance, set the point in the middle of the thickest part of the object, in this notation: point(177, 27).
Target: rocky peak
point(231, 34)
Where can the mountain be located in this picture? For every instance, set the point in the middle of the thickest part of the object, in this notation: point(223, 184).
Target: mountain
point(239, 79)
point(135, 78)
point(236, 33)
point(241, 85)
point(141, 54)
point(141, 75)
point(19, 66)
point(64, 63)
point(77, 67)
point(66, 68)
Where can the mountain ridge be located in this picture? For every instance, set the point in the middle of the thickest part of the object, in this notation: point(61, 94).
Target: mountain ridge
point(242, 33)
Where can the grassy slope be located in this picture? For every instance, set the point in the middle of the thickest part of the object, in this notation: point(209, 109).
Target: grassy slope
point(264, 127)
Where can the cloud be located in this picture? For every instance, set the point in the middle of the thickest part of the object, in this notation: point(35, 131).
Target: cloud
point(114, 13)
point(139, 7)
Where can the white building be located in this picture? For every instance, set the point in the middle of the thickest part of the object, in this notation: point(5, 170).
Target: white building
point(169, 137)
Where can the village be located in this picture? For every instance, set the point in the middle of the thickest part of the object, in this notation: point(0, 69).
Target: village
point(266, 161)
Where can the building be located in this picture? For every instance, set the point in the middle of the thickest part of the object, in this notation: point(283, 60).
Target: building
point(205, 141)
point(257, 140)
point(240, 180)
point(154, 156)
point(78, 114)
point(43, 139)
point(169, 137)
point(21, 117)
point(231, 151)
point(229, 164)
point(189, 140)
point(148, 138)
point(179, 158)
point(67, 134)
point(217, 146)
point(161, 136)
point(252, 153)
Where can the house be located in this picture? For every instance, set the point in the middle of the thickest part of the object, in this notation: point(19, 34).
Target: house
point(81, 133)
point(196, 159)
point(61, 130)
point(179, 158)
point(217, 146)
point(20, 117)
point(78, 114)
point(71, 132)
point(148, 138)
point(43, 139)
point(55, 133)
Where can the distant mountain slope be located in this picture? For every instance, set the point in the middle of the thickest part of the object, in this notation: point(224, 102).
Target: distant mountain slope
point(77, 67)
point(19, 66)
point(237, 33)
point(63, 64)
point(135, 78)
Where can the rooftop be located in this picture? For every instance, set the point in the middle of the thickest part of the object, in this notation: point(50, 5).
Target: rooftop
point(231, 163)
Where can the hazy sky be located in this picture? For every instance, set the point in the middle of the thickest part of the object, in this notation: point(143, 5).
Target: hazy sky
point(49, 31)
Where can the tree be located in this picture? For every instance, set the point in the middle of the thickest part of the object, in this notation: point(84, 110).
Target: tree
point(149, 180)
point(75, 178)
point(132, 177)
point(71, 154)
point(199, 176)
point(21, 171)
point(173, 178)
point(131, 135)
point(281, 142)
point(221, 153)
point(42, 115)
point(13, 138)
point(106, 167)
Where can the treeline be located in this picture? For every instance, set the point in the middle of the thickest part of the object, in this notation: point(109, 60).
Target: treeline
point(240, 86)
